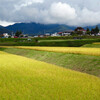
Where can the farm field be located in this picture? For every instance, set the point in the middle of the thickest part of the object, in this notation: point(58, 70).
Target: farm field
point(60, 40)
point(50, 41)
point(22, 78)
point(83, 63)
point(93, 45)
point(61, 75)
point(97, 43)
point(71, 50)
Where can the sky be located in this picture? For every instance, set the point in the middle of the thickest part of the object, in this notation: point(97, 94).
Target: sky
point(69, 12)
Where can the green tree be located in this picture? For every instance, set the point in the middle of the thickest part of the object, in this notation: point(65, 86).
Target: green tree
point(96, 30)
point(92, 31)
point(87, 29)
point(88, 32)
point(74, 34)
point(79, 32)
point(18, 33)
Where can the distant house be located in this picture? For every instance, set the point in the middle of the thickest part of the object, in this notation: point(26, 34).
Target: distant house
point(80, 29)
point(98, 34)
point(41, 36)
point(60, 33)
point(55, 34)
point(35, 36)
point(66, 33)
point(15, 37)
point(47, 34)
point(6, 35)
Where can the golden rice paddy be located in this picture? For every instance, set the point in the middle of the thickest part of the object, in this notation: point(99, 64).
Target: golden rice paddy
point(96, 43)
point(28, 79)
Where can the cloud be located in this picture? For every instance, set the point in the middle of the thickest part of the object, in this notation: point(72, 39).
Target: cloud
point(69, 12)
point(62, 11)
point(4, 23)
point(26, 3)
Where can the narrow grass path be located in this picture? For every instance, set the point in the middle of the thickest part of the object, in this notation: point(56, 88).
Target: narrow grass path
point(27, 79)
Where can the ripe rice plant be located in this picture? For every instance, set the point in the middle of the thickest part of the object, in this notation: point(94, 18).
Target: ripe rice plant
point(96, 43)
point(27, 79)
point(74, 50)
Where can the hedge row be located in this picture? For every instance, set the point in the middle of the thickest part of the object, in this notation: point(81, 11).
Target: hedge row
point(74, 43)
point(67, 43)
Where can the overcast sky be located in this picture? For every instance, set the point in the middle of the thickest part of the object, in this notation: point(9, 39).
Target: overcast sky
point(69, 12)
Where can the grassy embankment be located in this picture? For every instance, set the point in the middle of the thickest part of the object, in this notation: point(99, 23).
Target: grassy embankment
point(15, 41)
point(93, 45)
point(43, 42)
point(72, 50)
point(84, 63)
point(27, 79)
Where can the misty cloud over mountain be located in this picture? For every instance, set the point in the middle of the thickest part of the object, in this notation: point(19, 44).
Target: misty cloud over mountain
point(69, 12)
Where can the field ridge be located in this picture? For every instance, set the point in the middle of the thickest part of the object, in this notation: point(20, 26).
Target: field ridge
point(72, 50)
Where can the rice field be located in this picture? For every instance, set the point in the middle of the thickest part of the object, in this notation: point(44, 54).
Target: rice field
point(28, 79)
point(73, 50)
point(96, 43)
point(91, 46)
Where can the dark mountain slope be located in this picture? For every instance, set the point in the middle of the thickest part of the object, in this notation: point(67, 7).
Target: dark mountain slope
point(4, 30)
point(36, 28)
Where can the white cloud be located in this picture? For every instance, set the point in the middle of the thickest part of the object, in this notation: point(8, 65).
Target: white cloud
point(4, 23)
point(62, 12)
point(26, 3)
point(86, 17)
point(70, 12)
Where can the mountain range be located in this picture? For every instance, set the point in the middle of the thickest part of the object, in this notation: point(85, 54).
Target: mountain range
point(37, 29)
point(4, 30)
